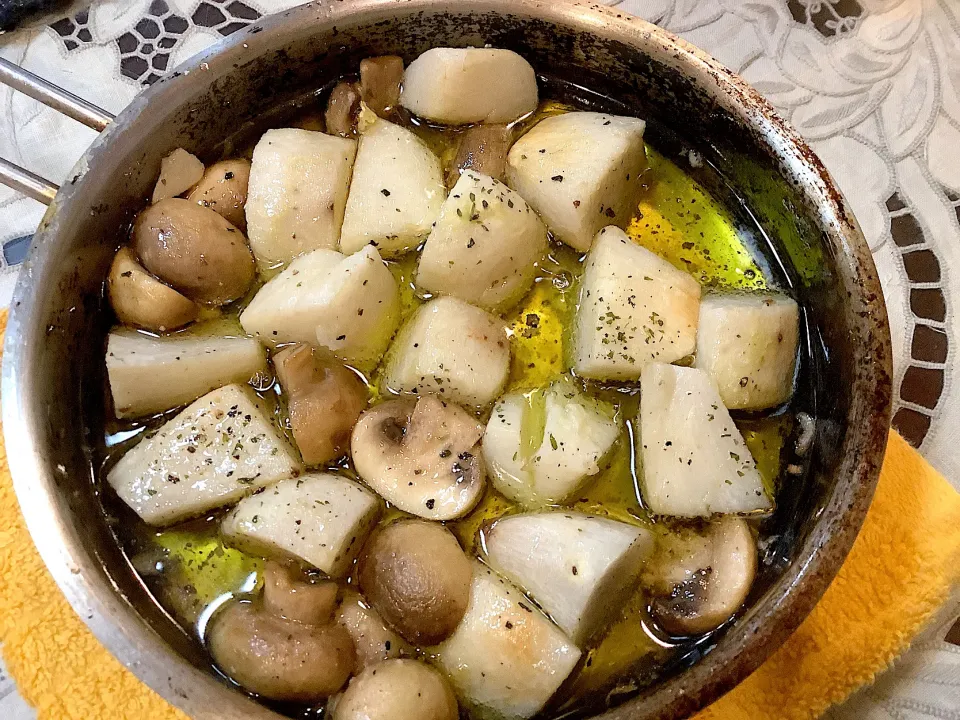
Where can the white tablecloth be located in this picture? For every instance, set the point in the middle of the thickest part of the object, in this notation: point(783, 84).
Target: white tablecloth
point(874, 85)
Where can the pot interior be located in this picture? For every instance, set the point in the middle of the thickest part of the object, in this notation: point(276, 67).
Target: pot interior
point(799, 233)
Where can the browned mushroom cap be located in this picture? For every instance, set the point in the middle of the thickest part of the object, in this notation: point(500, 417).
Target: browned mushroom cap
point(324, 399)
point(278, 658)
point(343, 108)
point(416, 576)
point(380, 79)
point(423, 456)
point(289, 594)
point(195, 250)
point(139, 299)
point(223, 189)
point(700, 578)
point(397, 690)
point(483, 149)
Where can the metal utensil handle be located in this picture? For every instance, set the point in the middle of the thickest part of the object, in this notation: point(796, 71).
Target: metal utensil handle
point(63, 101)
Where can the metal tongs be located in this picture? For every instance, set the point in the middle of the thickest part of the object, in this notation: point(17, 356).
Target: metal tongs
point(64, 102)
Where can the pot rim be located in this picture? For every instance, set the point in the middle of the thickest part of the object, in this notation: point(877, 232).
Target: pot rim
point(114, 620)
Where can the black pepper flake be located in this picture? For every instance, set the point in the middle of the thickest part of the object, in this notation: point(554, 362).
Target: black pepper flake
point(557, 178)
point(386, 193)
point(430, 503)
point(228, 176)
point(341, 337)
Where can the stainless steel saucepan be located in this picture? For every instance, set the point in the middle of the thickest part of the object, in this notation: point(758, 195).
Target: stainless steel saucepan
point(53, 355)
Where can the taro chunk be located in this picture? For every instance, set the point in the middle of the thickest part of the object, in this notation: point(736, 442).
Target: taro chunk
point(151, 374)
point(635, 308)
point(695, 461)
point(542, 447)
point(578, 568)
point(748, 345)
point(348, 304)
point(453, 349)
point(321, 519)
point(297, 193)
point(485, 246)
point(396, 191)
point(217, 450)
point(456, 86)
point(505, 659)
point(580, 171)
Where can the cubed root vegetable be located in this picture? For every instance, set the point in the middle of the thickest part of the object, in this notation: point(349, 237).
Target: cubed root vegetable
point(396, 191)
point(179, 171)
point(635, 308)
point(348, 304)
point(748, 345)
point(456, 86)
point(150, 374)
point(485, 246)
point(321, 519)
point(581, 171)
point(541, 447)
point(505, 659)
point(453, 349)
point(297, 193)
point(695, 461)
point(578, 568)
point(217, 450)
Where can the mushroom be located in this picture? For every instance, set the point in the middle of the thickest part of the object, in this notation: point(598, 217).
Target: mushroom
point(483, 149)
point(343, 108)
point(179, 171)
point(195, 250)
point(416, 576)
point(141, 300)
point(422, 456)
point(397, 690)
point(372, 639)
point(324, 400)
point(380, 79)
point(701, 578)
point(278, 658)
point(287, 593)
point(223, 189)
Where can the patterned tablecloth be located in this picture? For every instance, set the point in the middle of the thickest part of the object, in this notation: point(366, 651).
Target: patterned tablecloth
point(874, 85)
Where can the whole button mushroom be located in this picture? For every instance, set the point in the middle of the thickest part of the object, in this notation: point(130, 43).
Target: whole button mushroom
point(223, 189)
point(397, 690)
point(285, 646)
point(324, 398)
point(195, 250)
point(288, 594)
point(139, 299)
point(416, 576)
point(278, 658)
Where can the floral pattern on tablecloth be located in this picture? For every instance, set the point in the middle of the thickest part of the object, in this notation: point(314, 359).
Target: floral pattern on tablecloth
point(874, 85)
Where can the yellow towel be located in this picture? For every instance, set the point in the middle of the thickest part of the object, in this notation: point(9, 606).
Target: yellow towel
point(900, 571)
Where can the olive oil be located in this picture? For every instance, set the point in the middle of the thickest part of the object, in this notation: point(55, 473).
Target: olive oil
point(192, 572)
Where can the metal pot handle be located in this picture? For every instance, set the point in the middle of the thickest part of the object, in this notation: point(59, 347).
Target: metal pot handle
point(63, 101)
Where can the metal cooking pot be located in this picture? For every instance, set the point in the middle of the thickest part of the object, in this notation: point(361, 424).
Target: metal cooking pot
point(53, 356)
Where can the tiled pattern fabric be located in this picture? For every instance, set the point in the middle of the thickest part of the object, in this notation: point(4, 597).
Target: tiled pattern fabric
point(873, 84)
